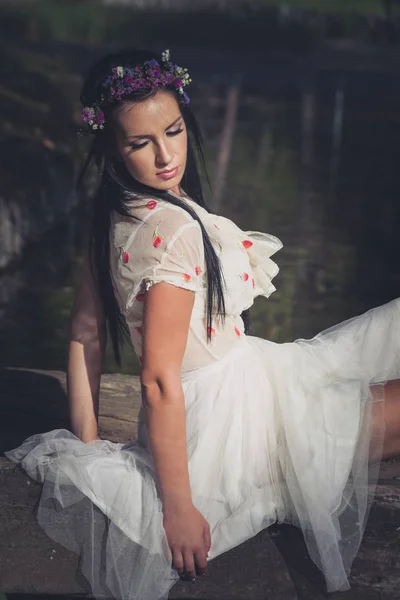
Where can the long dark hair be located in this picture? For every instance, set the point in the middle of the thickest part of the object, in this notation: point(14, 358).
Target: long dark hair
point(116, 184)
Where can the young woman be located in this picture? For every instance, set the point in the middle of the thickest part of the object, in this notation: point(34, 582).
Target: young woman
point(236, 432)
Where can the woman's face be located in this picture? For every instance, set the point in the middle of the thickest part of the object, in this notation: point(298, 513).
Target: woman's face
point(151, 139)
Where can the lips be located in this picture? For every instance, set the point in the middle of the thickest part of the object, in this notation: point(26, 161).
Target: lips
point(168, 174)
point(167, 171)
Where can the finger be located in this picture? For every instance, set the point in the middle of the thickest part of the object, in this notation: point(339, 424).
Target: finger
point(200, 562)
point(188, 559)
point(177, 561)
point(207, 539)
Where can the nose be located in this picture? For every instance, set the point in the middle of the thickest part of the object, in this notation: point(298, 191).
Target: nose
point(163, 155)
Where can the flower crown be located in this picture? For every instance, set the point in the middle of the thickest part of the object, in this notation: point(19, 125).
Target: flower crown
point(123, 81)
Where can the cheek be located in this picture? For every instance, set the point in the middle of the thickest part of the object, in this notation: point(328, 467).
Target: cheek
point(181, 144)
point(138, 164)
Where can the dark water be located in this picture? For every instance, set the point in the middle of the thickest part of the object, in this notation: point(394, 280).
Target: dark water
point(314, 160)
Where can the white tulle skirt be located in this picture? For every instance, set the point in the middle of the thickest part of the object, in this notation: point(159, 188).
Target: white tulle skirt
point(275, 433)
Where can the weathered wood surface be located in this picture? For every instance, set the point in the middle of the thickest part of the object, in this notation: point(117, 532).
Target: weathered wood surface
point(274, 564)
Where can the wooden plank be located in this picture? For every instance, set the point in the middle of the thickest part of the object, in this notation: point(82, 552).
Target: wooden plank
point(35, 401)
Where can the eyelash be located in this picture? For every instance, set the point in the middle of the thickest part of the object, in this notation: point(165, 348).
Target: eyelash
point(137, 146)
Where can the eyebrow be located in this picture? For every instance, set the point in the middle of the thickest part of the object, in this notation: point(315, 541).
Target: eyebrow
point(127, 137)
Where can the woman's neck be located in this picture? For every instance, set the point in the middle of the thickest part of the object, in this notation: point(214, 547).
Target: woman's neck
point(181, 194)
point(176, 190)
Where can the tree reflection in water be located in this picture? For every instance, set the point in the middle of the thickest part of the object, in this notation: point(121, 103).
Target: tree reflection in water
point(312, 160)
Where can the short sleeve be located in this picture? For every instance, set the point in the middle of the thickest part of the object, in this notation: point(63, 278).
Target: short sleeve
point(181, 263)
point(167, 246)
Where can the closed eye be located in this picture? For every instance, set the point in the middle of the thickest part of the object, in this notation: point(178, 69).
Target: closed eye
point(175, 132)
point(170, 133)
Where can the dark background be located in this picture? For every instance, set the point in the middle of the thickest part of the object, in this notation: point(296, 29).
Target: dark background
point(303, 98)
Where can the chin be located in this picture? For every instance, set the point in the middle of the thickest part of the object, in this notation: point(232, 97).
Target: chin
point(162, 185)
point(169, 184)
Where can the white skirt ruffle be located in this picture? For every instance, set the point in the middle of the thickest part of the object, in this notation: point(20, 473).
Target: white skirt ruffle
point(275, 433)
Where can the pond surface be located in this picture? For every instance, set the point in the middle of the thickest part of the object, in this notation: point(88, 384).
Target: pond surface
point(311, 158)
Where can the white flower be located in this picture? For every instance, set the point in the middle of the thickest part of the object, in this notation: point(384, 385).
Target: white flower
point(95, 126)
point(101, 126)
point(91, 122)
point(166, 55)
point(120, 71)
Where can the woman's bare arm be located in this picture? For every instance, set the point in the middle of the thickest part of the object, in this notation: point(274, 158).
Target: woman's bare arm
point(87, 340)
point(167, 312)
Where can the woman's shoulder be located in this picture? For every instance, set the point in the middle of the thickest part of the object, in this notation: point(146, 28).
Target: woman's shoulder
point(149, 217)
point(147, 210)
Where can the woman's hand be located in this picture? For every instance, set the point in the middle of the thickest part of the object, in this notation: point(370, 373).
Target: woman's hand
point(188, 535)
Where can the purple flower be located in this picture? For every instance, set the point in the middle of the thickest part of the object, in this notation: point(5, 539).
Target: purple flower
point(87, 114)
point(100, 117)
point(123, 81)
point(169, 79)
point(107, 81)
